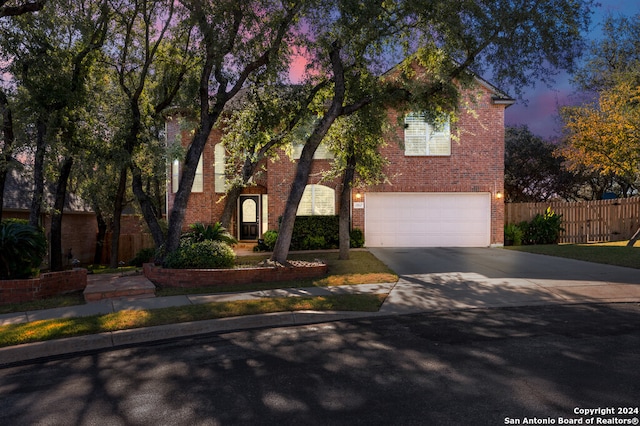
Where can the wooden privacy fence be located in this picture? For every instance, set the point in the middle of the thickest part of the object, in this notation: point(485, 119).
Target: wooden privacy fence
point(585, 221)
point(129, 246)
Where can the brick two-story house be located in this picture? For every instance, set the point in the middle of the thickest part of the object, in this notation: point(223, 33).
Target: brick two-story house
point(442, 190)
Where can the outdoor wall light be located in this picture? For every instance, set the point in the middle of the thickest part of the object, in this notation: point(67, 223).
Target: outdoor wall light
point(498, 195)
point(358, 195)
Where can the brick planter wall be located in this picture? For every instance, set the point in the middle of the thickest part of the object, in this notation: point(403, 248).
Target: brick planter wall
point(46, 285)
point(226, 277)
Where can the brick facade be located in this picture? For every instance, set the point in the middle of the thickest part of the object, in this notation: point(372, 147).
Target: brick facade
point(476, 164)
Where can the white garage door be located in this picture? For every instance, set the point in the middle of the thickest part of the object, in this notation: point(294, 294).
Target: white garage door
point(427, 220)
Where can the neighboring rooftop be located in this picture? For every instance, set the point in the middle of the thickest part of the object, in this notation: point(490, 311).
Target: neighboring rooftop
point(18, 192)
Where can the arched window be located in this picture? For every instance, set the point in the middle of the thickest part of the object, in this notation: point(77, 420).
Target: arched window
point(317, 200)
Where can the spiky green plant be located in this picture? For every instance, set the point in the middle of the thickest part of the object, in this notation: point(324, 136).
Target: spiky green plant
point(216, 232)
point(22, 248)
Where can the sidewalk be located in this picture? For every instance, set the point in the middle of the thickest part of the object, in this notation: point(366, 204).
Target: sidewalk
point(411, 294)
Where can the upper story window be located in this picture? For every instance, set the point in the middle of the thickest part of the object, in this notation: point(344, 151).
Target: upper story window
point(424, 138)
point(322, 153)
point(218, 166)
point(175, 175)
point(198, 180)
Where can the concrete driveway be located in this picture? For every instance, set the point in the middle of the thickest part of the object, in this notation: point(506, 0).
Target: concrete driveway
point(433, 279)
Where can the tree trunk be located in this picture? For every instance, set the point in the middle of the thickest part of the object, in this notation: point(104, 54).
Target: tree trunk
point(38, 175)
point(146, 205)
point(285, 232)
point(345, 205)
point(100, 238)
point(176, 216)
point(230, 202)
point(7, 149)
point(56, 216)
point(281, 249)
point(118, 205)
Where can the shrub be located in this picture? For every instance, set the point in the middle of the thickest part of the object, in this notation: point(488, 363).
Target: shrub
point(356, 238)
point(313, 242)
point(513, 234)
point(22, 248)
point(216, 232)
point(143, 256)
point(268, 241)
point(205, 254)
point(307, 231)
point(543, 229)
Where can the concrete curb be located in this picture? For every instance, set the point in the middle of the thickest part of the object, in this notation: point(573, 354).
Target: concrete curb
point(70, 346)
point(110, 340)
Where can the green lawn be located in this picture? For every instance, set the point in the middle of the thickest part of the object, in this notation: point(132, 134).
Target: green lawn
point(361, 268)
point(615, 253)
point(37, 331)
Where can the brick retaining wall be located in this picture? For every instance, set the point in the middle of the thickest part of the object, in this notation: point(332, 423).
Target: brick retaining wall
point(226, 277)
point(46, 285)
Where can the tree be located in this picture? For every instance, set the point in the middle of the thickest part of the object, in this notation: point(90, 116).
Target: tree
point(604, 137)
point(451, 39)
point(7, 8)
point(50, 58)
point(149, 56)
point(8, 138)
point(355, 141)
point(264, 121)
point(239, 41)
point(100, 159)
point(615, 55)
point(533, 171)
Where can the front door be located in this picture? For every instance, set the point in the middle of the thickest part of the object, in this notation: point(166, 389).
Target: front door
point(249, 217)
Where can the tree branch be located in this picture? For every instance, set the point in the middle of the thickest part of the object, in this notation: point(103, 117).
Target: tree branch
point(21, 9)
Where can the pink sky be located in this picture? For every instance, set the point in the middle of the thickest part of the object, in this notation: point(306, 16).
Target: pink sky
point(539, 110)
point(541, 113)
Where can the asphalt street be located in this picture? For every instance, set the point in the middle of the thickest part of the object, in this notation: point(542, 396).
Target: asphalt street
point(512, 365)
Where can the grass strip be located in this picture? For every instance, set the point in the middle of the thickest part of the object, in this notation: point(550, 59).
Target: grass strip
point(37, 331)
point(609, 254)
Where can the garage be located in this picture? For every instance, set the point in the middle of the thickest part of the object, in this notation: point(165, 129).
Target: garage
point(427, 219)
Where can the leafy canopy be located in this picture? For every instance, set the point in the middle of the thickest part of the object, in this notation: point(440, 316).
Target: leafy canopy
point(604, 135)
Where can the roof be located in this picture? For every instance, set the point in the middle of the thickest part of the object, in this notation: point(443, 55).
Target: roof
point(499, 97)
point(18, 192)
